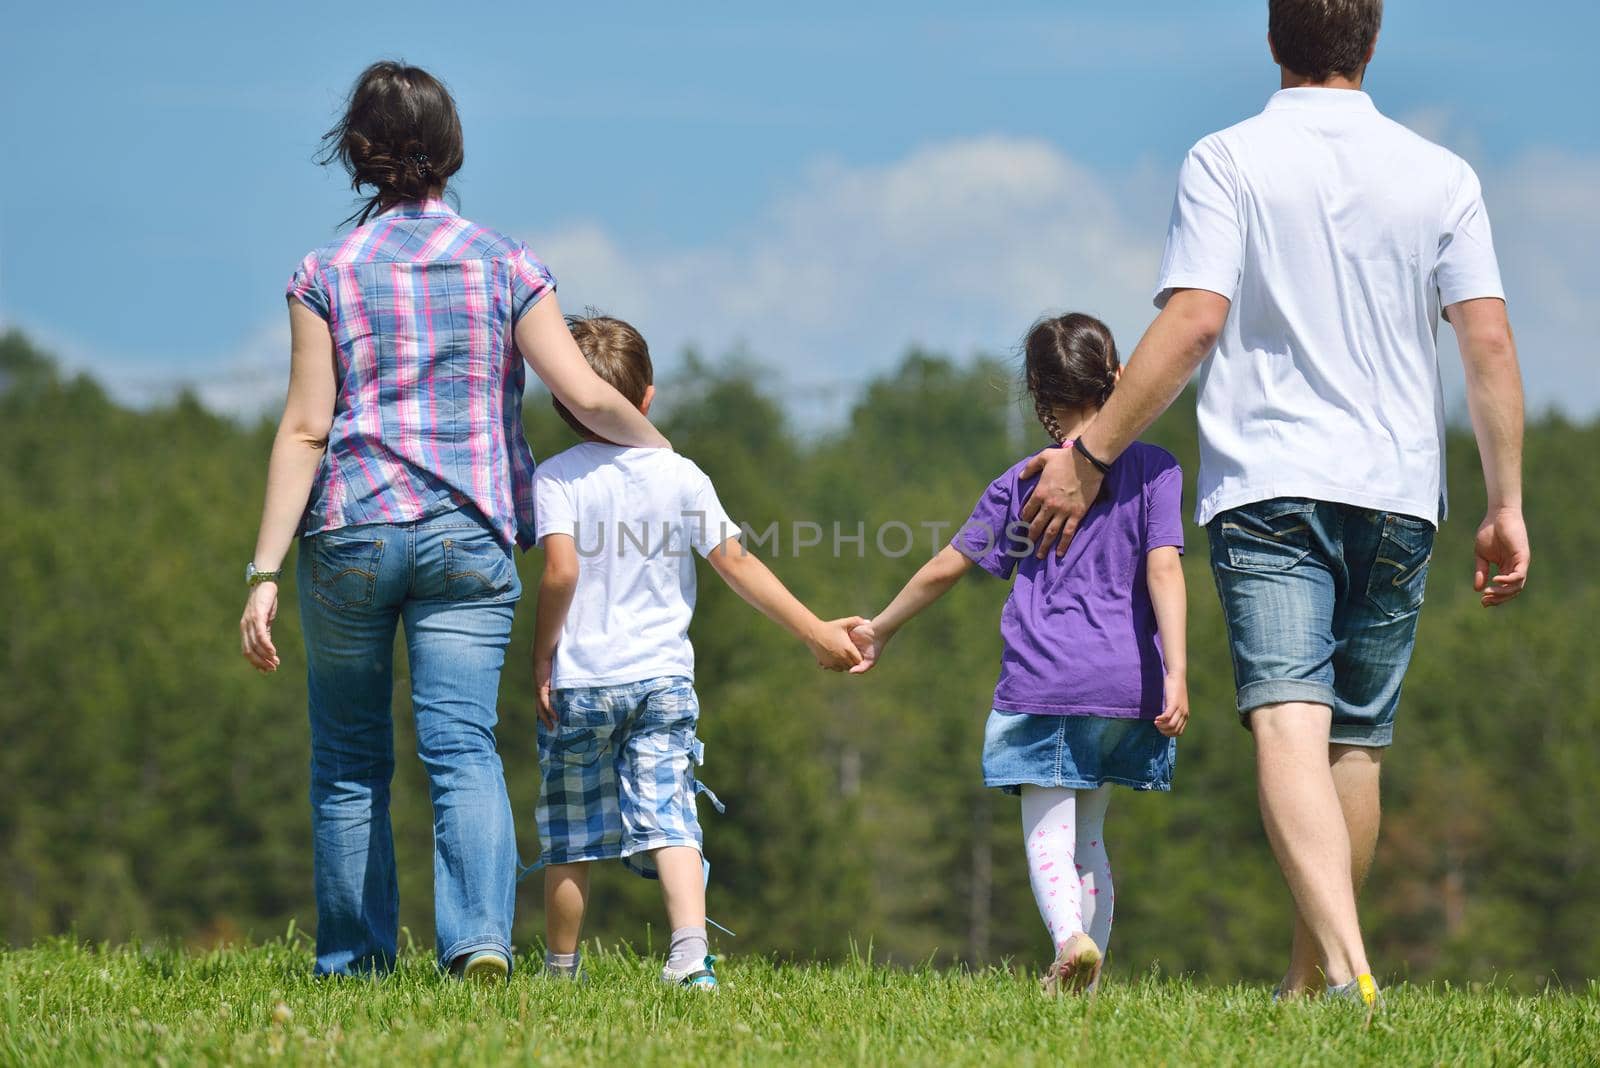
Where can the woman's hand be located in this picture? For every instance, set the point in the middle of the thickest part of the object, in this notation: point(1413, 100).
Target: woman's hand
point(255, 627)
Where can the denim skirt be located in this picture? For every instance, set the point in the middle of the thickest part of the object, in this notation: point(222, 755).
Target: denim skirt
point(1078, 752)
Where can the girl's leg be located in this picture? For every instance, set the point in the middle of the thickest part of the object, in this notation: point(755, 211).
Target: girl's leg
point(1093, 865)
point(1050, 830)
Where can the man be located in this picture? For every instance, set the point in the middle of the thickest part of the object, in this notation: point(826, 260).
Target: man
point(1311, 251)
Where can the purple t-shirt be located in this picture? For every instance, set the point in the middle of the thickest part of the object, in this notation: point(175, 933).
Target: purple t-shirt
point(1079, 630)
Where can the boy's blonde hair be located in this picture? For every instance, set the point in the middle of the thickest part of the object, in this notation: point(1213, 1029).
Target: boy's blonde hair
point(618, 354)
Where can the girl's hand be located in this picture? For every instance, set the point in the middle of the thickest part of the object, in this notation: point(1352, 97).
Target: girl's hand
point(255, 627)
point(869, 644)
point(1175, 705)
point(832, 644)
point(542, 667)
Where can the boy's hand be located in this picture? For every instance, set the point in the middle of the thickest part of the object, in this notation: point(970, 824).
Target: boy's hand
point(541, 683)
point(1175, 706)
point(832, 645)
point(868, 644)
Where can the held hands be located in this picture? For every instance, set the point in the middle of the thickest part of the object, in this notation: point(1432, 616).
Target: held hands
point(255, 627)
point(1068, 485)
point(1174, 705)
point(831, 643)
point(870, 643)
point(1500, 556)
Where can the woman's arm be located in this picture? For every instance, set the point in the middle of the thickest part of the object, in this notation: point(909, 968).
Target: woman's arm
point(547, 345)
point(746, 575)
point(1164, 575)
point(931, 582)
point(296, 454)
point(556, 587)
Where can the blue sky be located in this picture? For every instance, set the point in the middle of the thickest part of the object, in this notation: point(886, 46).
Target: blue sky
point(817, 187)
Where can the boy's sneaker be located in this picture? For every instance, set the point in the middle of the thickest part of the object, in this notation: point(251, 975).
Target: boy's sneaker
point(1362, 990)
point(1076, 967)
point(485, 966)
point(702, 978)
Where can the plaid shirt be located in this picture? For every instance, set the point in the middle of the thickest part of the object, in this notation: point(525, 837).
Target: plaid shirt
point(421, 304)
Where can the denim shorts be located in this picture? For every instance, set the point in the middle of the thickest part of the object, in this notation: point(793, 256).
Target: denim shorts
point(1321, 603)
point(618, 773)
point(1078, 752)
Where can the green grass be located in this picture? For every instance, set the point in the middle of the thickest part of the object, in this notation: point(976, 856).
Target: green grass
point(65, 1004)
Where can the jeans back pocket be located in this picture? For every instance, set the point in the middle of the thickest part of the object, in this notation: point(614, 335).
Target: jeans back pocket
point(1270, 535)
point(1400, 566)
point(344, 569)
point(477, 567)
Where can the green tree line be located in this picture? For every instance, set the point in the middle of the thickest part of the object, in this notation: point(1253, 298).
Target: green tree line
point(153, 786)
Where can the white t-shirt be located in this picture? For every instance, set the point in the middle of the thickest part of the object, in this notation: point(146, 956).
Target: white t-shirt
point(637, 517)
point(1338, 235)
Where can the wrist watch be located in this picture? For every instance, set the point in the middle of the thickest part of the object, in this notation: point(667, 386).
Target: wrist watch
point(254, 576)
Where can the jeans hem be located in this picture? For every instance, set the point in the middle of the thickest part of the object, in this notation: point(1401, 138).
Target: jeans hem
point(1377, 736)
point(475, 945)
point(1254, 695)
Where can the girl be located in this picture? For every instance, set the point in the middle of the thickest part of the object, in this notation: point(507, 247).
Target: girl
point(400, 465)
point(1092, 686)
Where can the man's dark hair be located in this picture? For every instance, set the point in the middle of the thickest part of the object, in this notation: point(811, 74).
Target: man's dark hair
point(1320, 38)
point(617, 353)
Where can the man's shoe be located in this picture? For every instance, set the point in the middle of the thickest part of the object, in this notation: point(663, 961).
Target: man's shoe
point(702, 978)
point(485, 966)
point(1076, 967)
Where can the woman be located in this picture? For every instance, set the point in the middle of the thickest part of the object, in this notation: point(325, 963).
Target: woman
point(401, 463)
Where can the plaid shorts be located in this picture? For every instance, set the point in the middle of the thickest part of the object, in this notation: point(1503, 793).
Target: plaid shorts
point(619, 773)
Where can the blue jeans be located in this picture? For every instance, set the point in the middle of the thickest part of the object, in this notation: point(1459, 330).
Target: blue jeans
point(1321, 603)
point(455, 587)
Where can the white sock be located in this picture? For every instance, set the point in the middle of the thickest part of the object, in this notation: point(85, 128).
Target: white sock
point(1063, 833)
point(562, 964)
point(688, 950)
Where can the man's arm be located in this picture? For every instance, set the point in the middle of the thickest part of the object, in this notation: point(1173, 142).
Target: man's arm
point(556, 587)
point(1181, 336)
point(752, 580)
point(1494, 398)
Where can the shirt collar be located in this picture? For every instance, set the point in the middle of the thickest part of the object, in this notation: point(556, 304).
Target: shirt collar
point(417, 209)
point(1321, 98)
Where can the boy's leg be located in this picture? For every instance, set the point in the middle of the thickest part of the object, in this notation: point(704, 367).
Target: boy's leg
point(566, 896)
point(1356, 779)
point(1300, 808)
point(1098, 898)
point(683, 889)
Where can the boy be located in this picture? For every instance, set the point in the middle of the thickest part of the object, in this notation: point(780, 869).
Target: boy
point(614, 667)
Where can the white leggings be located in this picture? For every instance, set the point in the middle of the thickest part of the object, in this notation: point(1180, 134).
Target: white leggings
point(1064, 831)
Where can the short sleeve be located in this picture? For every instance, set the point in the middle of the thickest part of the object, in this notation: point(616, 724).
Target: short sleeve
point(986, 538)
point(1467, 267)
point(1163, 507)
point(705, 520)
point(530, 281)
point(1205, 244)
point(553, 508)
point(306, 286)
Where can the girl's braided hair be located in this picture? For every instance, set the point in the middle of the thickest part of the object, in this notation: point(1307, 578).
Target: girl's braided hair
point(1070, 362)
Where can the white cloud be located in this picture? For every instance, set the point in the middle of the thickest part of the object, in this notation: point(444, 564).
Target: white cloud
point(960, 245)
point(957, 247)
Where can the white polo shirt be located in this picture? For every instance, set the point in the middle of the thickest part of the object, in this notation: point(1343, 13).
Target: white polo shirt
point(1338, 235)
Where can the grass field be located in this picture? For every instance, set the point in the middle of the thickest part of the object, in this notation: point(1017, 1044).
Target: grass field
point(65, 1004)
